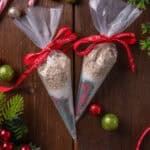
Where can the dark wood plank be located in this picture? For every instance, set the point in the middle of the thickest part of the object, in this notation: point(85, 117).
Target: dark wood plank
point(45, 125)
point(122, 93)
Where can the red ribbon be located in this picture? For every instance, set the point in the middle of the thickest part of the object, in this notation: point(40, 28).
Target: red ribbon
point(124, 39)
point(146, 131)
point(33, 60)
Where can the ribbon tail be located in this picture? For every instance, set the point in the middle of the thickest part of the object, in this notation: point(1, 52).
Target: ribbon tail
point(84, 52)
point(19, 81)
point(62, 31)
point(127, 37)
point(5, 89)
point(146, 131)
point(91, 40)
point(129, 54)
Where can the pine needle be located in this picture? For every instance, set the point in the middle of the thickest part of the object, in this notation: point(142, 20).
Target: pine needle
point(34, 147)
point(2, 102)
point(145, 28)
point(13, 108)
point(141, 4)
point(145, 45)
point(18, 127)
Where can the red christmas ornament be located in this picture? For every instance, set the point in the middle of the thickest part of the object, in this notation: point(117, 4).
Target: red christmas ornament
point(26, 147)
point(95, 109)
point(8, 146)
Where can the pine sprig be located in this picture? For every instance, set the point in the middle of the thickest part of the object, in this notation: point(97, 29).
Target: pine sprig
point(2, 102)
point(145, 45)
point(12, 120)
point(13, 107)
point(142, 4)
point(133, 2)
point(34, 147)
point(18, 128)
point(145, 28)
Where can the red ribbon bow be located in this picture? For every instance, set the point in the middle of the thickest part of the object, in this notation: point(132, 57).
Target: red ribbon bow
point(124, 39)
point(33, 60)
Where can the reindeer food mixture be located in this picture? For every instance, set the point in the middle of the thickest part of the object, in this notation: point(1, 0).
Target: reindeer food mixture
point(55, 71)
point(100, 60)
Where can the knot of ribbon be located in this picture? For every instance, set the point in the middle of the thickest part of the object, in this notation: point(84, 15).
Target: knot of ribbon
point(33, 60)
point(124, 39)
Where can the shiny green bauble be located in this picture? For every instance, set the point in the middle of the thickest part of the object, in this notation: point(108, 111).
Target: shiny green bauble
point(6, 73)
point(110, 122)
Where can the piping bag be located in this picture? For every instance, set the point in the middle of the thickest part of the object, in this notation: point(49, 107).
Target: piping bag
point(53, 65)
point(110, 18)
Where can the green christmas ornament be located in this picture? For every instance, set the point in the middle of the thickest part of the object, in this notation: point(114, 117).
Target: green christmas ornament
point(6, 73)
point(110, 122)
point(72, 1)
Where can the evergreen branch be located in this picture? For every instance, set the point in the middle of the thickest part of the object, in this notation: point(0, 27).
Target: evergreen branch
point(145, 28)
point(133, 2)
point(141, 4)
point(18, 128)
point(2, 102)
point(2, 96)
point(72, 1)
point(13, 107)
point(11, 119)
point(34, 147)
point(145, 45)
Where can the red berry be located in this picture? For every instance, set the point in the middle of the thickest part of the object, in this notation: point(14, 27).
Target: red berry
point(1, 148)
point(26, 147)
point(8, 146)
point(5, 145)
point(5, 134)
point(95, 109)
point(2, 132)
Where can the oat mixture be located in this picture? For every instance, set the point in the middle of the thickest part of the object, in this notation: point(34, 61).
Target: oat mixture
point(100, 60)
point(55, 71)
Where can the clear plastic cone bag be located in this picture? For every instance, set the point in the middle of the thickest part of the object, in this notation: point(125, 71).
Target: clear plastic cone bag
point(40, 25)
point(109, 17)
point(96, 66)
point(55, 73)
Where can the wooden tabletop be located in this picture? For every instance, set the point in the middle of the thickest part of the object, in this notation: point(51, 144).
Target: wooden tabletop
point(123, 93)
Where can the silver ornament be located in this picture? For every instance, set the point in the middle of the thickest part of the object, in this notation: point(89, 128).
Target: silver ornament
point(14, 12)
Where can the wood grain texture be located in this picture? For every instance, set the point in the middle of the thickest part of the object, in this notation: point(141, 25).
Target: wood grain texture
point(122, 93)
point(45, 125)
